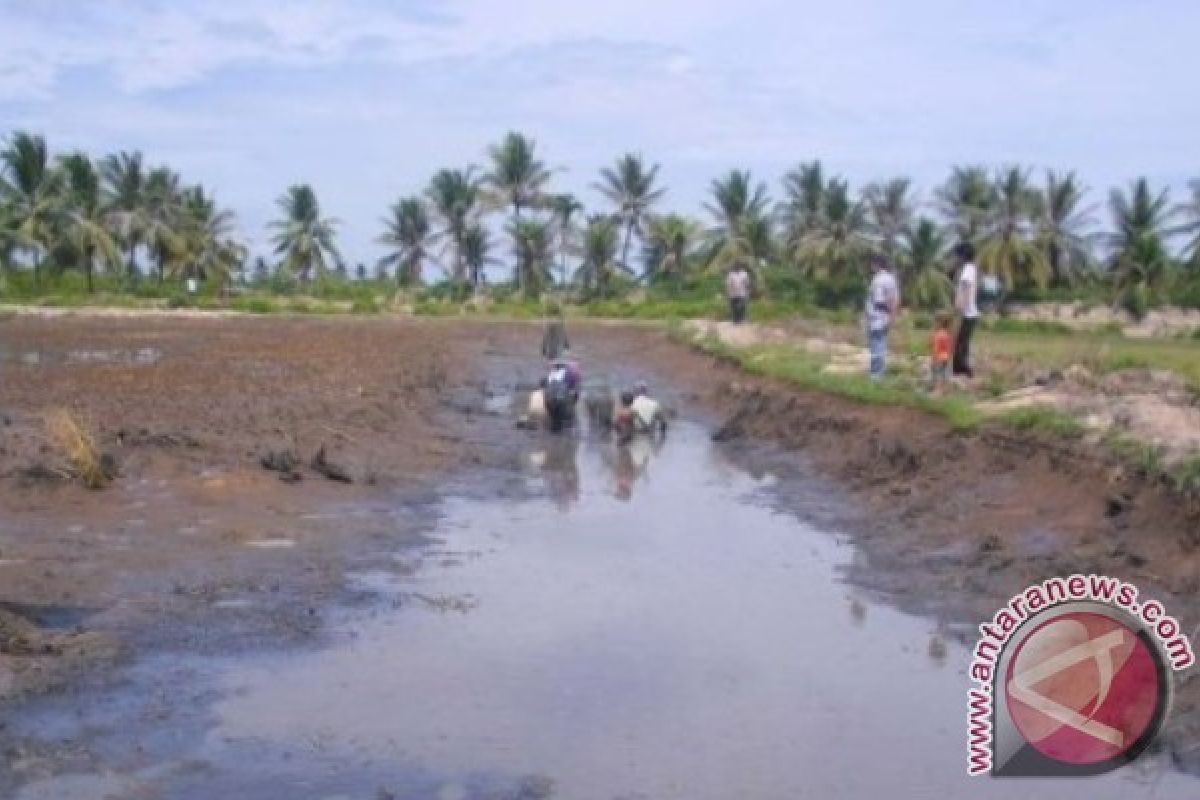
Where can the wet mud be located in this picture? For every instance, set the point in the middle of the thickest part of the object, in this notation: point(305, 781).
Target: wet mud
point(516, 615)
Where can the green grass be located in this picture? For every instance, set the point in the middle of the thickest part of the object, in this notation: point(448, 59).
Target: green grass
point(803, 369)
point(1185, 476)
point(1039, 419)
point(1147, 459)
point(1100, 353)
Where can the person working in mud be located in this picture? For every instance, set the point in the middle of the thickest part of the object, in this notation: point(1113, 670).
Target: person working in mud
point(560, 391)
point(554, 340)
point(639, 414)
point(737, 291)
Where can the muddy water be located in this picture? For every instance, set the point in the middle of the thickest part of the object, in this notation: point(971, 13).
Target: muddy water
point(638, 624)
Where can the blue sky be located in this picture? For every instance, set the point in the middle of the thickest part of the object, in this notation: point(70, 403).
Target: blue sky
point(364, 99)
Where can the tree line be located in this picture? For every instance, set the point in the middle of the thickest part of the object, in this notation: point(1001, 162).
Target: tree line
point(1032, 231)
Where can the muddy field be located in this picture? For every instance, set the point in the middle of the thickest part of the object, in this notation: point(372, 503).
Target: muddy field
point(259, 464)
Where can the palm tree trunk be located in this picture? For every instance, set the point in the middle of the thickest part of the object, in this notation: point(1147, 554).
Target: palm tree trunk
point(131, 260)
point(625, 247)
point(519, 271)
point(37, 270)
point(562, 256)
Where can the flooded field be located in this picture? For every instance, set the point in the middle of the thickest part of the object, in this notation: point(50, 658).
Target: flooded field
point(629, 623)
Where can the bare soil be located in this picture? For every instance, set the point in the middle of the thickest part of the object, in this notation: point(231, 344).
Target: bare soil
point(189, 410)
point(947, 524)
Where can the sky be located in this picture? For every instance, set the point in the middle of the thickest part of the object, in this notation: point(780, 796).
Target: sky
point(365, 99)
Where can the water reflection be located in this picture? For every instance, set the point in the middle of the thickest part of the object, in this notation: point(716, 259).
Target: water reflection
point(136, 356)
point(630, 463)
point(557, 460)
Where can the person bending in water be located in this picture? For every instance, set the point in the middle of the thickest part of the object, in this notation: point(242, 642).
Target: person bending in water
point(639, 413)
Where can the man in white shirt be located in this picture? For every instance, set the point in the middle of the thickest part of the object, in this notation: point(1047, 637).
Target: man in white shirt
point(966, 302)
point(883, 303)
point(639, 413)
point(737, 290)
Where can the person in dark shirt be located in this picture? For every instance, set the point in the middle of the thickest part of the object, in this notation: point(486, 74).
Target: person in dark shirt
point(554, 340)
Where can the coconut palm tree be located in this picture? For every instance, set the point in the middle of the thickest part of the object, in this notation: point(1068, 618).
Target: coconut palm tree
point(922, 262)
point(630, 187)
point(890, 209)
point(599, 264)
point(306, 241)
point(841, 241)
point(1063, 229)
point(477, 252)
point(736, 200)
point(1190, 212)
point(1009, 249)
point(674, 238)
point(125, 186)
point(1139, 262)
point(804, 200)
point(454, 194)
point(206, 231)
point(408, 234)
point(517, 176)
point(162, 209)
point(8, 242)
point(966, 200)
point(31, 189)
point(532, 245)
point(85, 220)
point(563, 207)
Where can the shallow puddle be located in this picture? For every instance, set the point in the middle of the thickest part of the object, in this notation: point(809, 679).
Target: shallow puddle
point(648, 624)
point(145, 356)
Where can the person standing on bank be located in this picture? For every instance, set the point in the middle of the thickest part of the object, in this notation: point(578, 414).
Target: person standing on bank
point(966, 302)
point(883, 304)
point(737, 290)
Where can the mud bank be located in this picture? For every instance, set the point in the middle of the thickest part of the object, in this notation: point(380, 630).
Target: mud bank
point(953, 524)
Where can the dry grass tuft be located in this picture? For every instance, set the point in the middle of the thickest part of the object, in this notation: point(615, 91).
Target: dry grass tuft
point(71, 437)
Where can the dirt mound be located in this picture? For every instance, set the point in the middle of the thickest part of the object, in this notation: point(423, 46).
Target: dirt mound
point(33, 659)
point(1078, 316)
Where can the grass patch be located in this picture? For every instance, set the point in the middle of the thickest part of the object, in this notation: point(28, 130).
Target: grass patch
point(1039, 326)
point(1185, 476)
point(804, 369)
point(1099, 353)
point(1043, 420)
point(1147, 459)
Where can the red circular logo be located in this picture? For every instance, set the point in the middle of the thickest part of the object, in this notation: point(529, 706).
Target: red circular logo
point(1084, 688)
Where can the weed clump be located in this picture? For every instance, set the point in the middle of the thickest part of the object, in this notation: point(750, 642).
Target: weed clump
point(72, 438)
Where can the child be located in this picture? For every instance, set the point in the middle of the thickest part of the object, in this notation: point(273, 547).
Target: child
point(939, 361)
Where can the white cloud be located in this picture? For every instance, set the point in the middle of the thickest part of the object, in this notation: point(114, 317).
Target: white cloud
point(366, 98)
